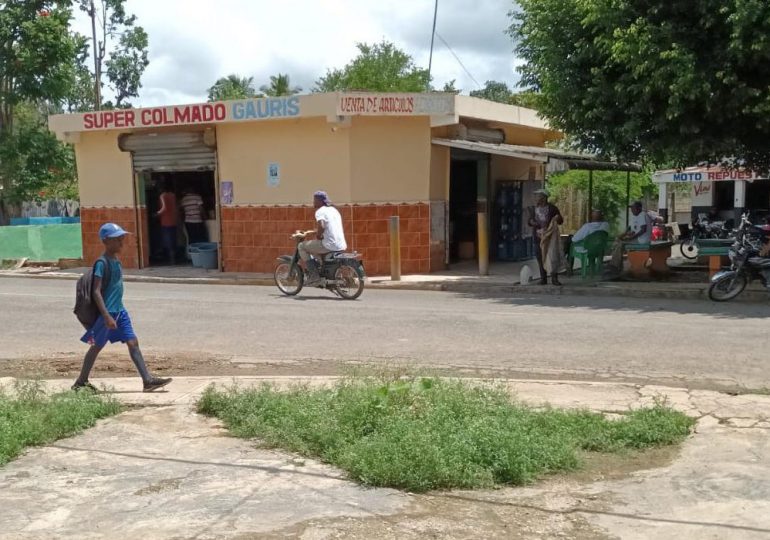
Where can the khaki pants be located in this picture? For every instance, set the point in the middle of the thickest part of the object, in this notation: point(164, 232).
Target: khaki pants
point(311, 247)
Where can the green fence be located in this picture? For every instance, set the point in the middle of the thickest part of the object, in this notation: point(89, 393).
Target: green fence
point(41, 242)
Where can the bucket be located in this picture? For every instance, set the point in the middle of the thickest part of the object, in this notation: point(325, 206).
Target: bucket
point(203, 255)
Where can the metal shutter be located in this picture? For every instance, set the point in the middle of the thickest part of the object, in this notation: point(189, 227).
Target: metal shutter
point(156, 152)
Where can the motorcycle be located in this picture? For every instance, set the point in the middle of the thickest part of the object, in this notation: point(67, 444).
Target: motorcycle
point(702, 229)
point(342, 273)
point(745, 263)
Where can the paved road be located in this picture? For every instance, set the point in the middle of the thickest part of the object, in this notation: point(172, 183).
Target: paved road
point(671, 341)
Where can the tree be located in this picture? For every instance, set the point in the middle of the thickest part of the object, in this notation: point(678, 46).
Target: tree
point(684, 82)
point(128, 60)
point(379, 67)
point(233, 87)
point(37, 65)
point(280, 85)
point(494, 91)
point(450, 88)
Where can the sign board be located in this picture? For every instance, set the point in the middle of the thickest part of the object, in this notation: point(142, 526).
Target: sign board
point(703, 175)
point(702, 194)
point(226, 189)
point(395, 104)
point(273, 174)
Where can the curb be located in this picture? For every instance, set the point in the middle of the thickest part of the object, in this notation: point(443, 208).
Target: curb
point(491, 289)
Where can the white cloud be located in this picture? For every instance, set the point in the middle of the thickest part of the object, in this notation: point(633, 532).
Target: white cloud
point(193, 42)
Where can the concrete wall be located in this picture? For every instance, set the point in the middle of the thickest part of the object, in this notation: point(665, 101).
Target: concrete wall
point(41, 242)
point(310, 154)
point(104, 171)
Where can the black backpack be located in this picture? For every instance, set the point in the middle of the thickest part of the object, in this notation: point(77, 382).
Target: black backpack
point(85, 307)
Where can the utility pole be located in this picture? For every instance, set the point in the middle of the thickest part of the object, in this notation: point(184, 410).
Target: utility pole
point(432, 38)
point(97, 67)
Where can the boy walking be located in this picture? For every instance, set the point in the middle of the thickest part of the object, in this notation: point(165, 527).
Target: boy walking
point(113, 323)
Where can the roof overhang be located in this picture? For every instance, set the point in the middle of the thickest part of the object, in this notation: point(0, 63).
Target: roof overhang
point(555, 160)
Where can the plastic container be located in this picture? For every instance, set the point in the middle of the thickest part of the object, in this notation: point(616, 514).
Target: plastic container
point(204, 255)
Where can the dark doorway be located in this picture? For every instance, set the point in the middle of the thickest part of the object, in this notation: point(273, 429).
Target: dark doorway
point(200, 183)
point(758, 200)
point(463, 193)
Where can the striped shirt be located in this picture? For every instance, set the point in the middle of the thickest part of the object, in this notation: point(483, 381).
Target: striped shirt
point(192, 205)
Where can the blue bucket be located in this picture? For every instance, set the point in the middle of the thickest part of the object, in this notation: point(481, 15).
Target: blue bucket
point(204, 255)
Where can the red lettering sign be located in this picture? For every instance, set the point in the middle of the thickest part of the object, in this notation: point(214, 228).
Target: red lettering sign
point(158, 116)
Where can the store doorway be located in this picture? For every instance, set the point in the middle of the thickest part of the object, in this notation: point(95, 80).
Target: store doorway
point(188, 187)
point(463, 223)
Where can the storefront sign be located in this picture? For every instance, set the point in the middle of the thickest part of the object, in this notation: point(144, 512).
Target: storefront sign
point(273, 174)
point(395, 104)
point(703, 175)
point(206, 113)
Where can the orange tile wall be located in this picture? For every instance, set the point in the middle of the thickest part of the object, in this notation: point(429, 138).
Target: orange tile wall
point(253, 237)
point(91, 218)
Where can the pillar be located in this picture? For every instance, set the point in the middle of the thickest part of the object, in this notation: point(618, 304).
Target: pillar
point(740, 199)
point(663, 202)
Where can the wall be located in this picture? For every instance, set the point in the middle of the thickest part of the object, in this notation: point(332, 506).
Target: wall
point(41, 242)
point(311, 157)
point(105, 177)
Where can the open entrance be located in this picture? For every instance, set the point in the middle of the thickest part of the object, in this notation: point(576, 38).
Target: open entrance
point(468, 181)
point(193, 212)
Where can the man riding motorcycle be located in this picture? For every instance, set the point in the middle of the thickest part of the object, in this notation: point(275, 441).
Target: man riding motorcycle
point(329, 233)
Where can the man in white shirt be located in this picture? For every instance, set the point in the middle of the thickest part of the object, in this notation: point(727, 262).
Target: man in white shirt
point(639, 232)
point(329, 232)
point(596, 224)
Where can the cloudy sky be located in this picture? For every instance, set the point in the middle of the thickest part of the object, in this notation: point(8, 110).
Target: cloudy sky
point(194, 42)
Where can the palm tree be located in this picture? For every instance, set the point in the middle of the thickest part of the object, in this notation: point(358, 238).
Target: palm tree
point(233, 87)
point(280, 86)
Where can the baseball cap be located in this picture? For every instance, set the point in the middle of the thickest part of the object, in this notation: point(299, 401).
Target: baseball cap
point(323, 196)
point(111, 230)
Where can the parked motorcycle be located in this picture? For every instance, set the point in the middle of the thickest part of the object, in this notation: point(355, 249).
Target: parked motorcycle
point(703, 229)
point(342, 273)
point(746, 264)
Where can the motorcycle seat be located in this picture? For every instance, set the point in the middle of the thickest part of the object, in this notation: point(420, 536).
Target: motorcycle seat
point(762, 262)
point(329, 257)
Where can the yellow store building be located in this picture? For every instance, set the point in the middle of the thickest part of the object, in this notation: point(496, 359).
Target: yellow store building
point(434, 159)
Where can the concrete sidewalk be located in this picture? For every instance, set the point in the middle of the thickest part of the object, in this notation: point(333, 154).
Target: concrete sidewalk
point(163, 472)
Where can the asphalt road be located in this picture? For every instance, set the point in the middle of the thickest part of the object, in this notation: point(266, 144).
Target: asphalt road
point(684, 343)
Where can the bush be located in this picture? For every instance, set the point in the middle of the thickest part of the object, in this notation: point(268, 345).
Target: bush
point(422, 434)
point(29, 417)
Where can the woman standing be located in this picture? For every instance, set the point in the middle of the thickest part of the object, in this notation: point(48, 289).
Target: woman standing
point(545, 221)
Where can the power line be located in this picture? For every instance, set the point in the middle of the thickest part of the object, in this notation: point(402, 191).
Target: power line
point(432, 36)
point(458, 60)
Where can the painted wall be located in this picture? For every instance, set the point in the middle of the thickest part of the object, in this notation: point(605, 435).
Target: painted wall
point(41, 242)
point(310, 154)
point(104, 171)
point(390, 159)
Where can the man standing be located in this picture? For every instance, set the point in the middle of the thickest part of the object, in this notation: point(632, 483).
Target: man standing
point(330, 236)
point(113, 323)
point(544, 220)
point(168, 218)
point(192, 207)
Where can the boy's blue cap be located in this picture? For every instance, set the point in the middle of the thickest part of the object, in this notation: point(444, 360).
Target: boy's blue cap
point(110, 230)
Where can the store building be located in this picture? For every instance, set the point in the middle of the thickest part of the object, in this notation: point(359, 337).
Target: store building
point(436, 160)
point(731, 192)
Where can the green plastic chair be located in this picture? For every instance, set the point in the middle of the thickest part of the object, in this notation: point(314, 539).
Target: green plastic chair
point(591, 254)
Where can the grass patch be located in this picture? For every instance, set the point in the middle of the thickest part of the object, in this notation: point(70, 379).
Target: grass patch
point(30, 417)
point(420, 434)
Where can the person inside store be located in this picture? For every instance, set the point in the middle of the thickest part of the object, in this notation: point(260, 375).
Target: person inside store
point(193, 211)
point(168, 219)
point(639, 232)
point(545, 219)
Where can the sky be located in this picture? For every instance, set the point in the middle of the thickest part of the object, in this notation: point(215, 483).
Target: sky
point(194, 42)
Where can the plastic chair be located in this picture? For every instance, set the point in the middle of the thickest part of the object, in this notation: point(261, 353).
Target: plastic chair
point(590, 252)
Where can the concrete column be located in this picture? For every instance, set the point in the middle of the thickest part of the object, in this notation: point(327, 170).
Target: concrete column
point(663, 202)
point(740, 199)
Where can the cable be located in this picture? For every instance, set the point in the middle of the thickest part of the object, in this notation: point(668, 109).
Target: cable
point(458, 60)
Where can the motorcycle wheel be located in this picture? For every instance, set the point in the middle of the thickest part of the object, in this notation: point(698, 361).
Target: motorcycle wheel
point(727, 288)
point(289, 285)
point(349, 281)
point(689, 249)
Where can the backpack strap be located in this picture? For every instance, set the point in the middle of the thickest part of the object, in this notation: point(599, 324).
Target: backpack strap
point(107, 272)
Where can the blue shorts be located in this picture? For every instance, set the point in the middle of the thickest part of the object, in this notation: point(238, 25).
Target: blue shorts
point(99, 334)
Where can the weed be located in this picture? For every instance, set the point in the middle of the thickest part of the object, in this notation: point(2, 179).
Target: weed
point(420, 434)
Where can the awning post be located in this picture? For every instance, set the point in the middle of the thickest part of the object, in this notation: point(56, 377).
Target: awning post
point(590, 195)
point(628, 198)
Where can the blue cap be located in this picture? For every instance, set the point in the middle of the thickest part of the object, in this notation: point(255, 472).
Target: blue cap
point(110, 230)
point(323, 196)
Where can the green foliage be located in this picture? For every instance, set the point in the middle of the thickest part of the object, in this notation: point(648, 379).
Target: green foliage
point(30, 417)
point(280, 85)
point(420, 434)
point(502, 93)
point(609, 192)
point(662, 81)
point(450, 87)
point(233, 87)
point(379, 67)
